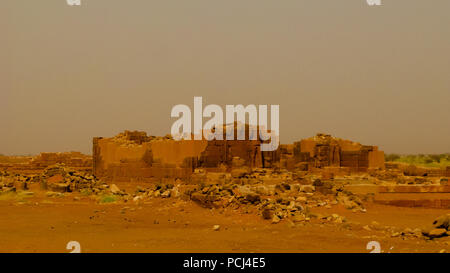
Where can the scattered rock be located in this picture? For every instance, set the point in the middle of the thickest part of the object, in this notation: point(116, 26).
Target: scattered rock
point(276, 219)
point(267, 214)
point(298, 218)
point(367, 228)
point(437, 233)
point(114, 189)
point(166, 194)
point(253, 198)
point(307, 188)
point(204, 200)
point(59, 187)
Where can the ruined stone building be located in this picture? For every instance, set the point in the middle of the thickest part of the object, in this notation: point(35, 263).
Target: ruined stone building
point(326, 152)
point(136, 156)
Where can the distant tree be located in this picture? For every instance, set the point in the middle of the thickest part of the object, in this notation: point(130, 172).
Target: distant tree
point(437, 158)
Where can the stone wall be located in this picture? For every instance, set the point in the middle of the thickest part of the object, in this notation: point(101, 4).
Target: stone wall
point(36, 164)
point(71, 159)
point(136, 156)
point(129, 157)
point(324, 151)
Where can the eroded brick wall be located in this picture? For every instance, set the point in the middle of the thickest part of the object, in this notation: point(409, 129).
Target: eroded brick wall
point(324, 151)
point(125, 158)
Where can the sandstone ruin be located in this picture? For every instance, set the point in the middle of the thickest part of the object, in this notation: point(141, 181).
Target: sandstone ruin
point(324, 152)
point(134, 155)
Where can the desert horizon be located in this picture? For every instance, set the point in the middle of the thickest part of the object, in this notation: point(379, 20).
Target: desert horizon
point(373, 74)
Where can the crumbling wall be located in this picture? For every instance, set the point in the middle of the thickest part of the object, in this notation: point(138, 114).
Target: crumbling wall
point(143, 160)
point(135, 156)
point(72, 159)
point(376, 158)
point(326, 152)
point(222, 152)
point(36, 164)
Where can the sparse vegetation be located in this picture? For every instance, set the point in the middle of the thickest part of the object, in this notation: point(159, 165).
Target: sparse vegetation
point(430, 160)
point(108, 198)
point(86, 192)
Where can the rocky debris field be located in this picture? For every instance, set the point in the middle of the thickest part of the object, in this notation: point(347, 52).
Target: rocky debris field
point(54, 179)
point(295, 198)
point(398, 177)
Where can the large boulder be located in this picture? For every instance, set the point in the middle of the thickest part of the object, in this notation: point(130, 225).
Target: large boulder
point(204, 200)
point(59, 187)
point(442, 221)
point(439, 228)
point(349, 201)
point(267, 213)
point(253, 198)
point(114, 189)
point(307, 188)
point(437, 232)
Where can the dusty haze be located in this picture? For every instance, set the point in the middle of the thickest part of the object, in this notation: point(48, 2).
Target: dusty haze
point(377, 75)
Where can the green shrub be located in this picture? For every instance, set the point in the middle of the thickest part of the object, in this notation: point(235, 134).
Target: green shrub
point(431, 160)
point(108, 199)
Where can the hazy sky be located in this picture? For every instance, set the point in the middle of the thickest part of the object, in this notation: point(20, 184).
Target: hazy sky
point(377, 75)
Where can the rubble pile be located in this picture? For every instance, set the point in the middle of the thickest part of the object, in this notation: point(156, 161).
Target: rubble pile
point(135, 138)
point(253, 192)
point(392, 175)
point(58, 178)
point(12, 182)
point(272, 202)
point(398, 176)
point(6, 182)
point(70, 159)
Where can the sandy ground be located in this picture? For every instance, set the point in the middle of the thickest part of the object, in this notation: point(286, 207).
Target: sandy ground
point(43, 224)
